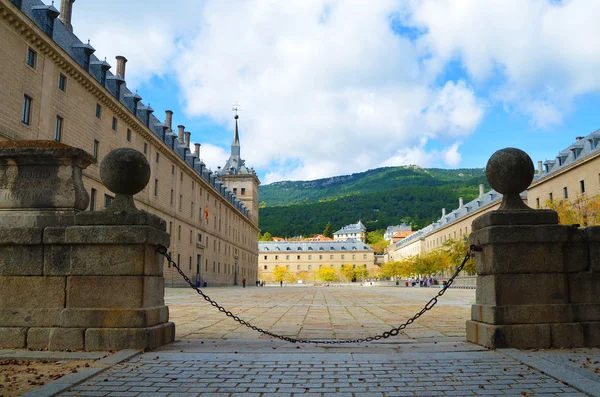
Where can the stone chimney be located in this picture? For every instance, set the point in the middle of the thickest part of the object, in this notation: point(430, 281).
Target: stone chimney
point(460, 202)
point(443, 213)
point(188, 136)
point(66, 12)
point(197, 149)
point(181, 132)
point(121, 61)
point(169, 119)
point(481, 190)
point(540, 168)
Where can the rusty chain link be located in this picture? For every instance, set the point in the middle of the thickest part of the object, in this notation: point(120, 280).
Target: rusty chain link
point(393, 332)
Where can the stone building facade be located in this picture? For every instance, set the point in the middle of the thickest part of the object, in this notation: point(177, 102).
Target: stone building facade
point(310, 256)
point(54, 88)
point(356, 231)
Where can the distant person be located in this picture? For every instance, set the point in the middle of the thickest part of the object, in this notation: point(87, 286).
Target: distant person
point(244, 282)
point(281, 283)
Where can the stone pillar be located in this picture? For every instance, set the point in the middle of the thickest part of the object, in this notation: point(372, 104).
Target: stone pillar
point(71, 279)
point(536, 287)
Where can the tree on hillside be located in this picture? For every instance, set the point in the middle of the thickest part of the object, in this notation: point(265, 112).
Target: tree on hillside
point(328, 232)
point(379, 247)
point(265, 237)
point(327, 274)
point(375, 236)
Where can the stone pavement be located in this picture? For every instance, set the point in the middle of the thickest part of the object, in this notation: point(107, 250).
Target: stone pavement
point(319, 312)
point(273, 368)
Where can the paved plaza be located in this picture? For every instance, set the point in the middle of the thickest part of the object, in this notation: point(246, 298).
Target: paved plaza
point(320, 312)
point(213, 356)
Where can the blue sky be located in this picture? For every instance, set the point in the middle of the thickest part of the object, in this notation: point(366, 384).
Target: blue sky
point(332, 87)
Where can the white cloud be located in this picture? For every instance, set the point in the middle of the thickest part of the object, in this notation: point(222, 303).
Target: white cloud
point(326, 87)
point(213, 156)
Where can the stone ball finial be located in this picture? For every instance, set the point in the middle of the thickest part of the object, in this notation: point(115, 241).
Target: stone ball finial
point(510, 171)
point(124, 172)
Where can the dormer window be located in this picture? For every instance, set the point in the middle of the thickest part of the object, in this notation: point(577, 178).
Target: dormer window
point(288, 249)
point(49, 26)
point(103, 77)
point(321, 249)
point(86, 61)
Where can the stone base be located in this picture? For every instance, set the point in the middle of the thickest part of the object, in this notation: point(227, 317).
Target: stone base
point(534, 336)
point(90, 339)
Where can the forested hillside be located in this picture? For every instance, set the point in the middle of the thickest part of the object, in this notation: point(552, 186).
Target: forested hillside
point(380, 198)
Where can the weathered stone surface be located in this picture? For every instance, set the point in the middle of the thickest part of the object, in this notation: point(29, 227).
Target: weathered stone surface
point(141, 218)
point(522, 289)
point(66, 339)
point(55, 235)
point(30, 317)
point(32, 292)
point(115, 235)
point(107, 260)
point(525, 336)
point(520, 258)
point(575, 251)
point(520, 234)
point(57, 260)
point(42, 175)
point(584, 287)
point(522, 314)
point(512, 218)
point(33, 218)
point(114, 291)
point(129, 338)
point(38, 338)
point(125, 172)
point(13, 337)
point(21, 260)
point(591, 333)
point(510, 171)
point(20, 235)
point(567, 335)
point(586, 312)
point(114, 318)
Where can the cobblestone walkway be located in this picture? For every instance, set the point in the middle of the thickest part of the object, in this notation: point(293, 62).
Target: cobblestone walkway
point(323, 374)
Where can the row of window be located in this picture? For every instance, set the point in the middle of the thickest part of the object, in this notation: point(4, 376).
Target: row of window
point(228, 268)
point(287, 257)
point(565, 192)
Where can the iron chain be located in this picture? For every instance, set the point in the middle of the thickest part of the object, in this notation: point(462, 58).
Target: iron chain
point(393, 332)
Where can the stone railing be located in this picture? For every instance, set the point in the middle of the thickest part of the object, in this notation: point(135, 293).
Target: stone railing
point(71, 279)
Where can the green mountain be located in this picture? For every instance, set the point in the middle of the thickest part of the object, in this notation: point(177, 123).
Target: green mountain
point(380, 197)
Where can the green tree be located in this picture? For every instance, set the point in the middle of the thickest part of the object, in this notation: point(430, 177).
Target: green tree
point(328, 232)
point(265, 237)
point(327, 274)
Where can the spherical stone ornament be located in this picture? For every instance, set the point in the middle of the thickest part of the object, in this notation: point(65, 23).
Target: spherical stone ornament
point(509, 171)
point(124, 172)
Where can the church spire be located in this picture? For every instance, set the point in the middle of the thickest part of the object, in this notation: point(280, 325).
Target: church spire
point(235, 145)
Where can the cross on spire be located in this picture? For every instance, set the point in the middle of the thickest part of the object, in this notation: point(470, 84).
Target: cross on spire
point(236, 108)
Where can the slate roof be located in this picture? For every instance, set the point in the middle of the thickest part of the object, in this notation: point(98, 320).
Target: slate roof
point(350, 245)
point(486, 199)
point(578, 151)
point(38, 12)
point(354, 228)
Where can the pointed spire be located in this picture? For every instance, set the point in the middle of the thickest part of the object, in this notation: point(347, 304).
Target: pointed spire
point(236, 135)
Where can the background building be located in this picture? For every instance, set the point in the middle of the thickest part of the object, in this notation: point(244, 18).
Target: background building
point(311, 256)
point(356, 231)
point(54, 88)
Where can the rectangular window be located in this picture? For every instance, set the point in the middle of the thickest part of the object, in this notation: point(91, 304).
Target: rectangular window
point(330, 256)
point(31, 58)
point(265, 267)
point(287, 257)
point(107, 200)
point(98, 111)
point(172, 170)
point(191, 234)
point(537, 203)
point(243, 191)
point(190, 263)
point(96, 148)
point(49, 26)
point(93, 200)
point(59, 129)
point(170, 228)
point(178, 259)
point(309, 267)
point(146, 148)
point(128, 135)
point(181, 177)
point(192, 209)
point(566, 192)
point(582, 186)
point(265, 257)
point(199, 237)
point(320, 257)
point(550, 196)
point(26, 117)
point(62, 82)
point(298, 267)
point(179, 232)
point(235, 190)
point(298, 257)
point(193, 186)
point(114, 123)
point(157, 157)
point(171, 196)
point(342, 256)
point(156, 187)
point(309, 257)
point(180, 202)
